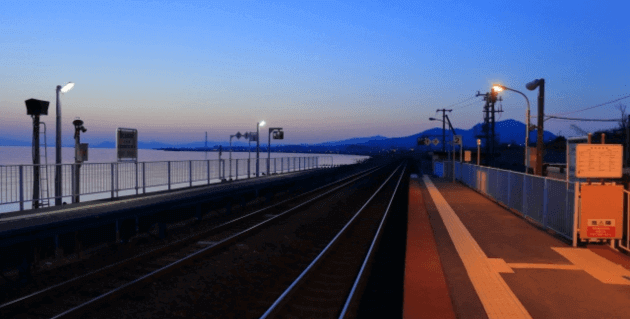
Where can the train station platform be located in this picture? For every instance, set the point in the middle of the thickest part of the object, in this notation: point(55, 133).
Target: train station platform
point(468, 257)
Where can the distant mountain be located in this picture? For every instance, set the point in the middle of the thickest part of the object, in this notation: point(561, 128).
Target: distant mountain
point(508, 131)
point(356, 140)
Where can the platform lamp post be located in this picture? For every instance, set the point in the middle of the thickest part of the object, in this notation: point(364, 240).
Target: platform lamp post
point(60, 89)
point(258, 125)
point(539, 83)
point(278, 134)
point(35, 108)
point(499, 88)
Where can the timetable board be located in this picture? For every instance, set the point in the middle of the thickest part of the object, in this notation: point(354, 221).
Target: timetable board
point(598, 160)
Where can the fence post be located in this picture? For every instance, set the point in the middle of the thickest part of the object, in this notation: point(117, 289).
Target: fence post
point(525, 195)
point(144, 179)
point(21, 185)
point(545, 199)
point(190, 172)
point(113, 182)
point(73, 182)
point(168, 170)
point(275, 167)
point(208, 169)
point(236, 173)
point(281, 165)
point(136, 166)
point(509, 188)
point(249, 166)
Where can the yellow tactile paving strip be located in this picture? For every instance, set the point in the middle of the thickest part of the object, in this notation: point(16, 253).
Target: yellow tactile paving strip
point(497, 298)
point(599, 267)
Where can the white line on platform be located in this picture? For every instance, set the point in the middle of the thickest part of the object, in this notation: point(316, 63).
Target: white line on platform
point(497, 298)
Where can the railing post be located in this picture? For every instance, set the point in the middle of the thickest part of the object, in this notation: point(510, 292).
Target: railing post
point(275, 167)
point(236, 173)
point(545, 199)
point(168, 170)
point(281, 165)
point(136, 168)
point(249, 165)
point(208, 169)
point(21, 185)
point(190, 172)
point(509, 188)
point(117, 179)
point(73, 182)
point(144, 178)
point(113, 182)
point(525, 195)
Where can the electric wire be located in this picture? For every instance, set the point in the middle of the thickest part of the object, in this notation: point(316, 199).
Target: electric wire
point(592, 107)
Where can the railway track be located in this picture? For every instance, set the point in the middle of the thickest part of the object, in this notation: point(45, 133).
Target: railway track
point(80, 294)
point(330, 286)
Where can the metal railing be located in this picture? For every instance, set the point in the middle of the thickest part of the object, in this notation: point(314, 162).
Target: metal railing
point(548, 201)
point(110, 180)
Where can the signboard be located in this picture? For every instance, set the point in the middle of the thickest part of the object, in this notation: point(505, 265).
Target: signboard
point(82, 152)
point(572, 144)
point(436, 141)
point(467, 156)
point(127, 144)
point(427, 141)
point(457, 140)
point(599, 161)
point(601, 212)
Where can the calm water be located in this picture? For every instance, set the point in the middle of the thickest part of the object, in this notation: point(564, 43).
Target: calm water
point(12, 155)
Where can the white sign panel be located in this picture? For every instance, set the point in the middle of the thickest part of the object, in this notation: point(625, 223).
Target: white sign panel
point(127, 144)
point(599, 160)
point(457, 140)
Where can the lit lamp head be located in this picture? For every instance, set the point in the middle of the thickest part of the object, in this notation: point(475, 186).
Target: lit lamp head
point(478, 142)
point(497, 88)
point(67, 87)
point(432, 119)
point(262, 123)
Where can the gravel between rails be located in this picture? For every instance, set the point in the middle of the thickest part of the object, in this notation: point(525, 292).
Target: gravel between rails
point(242, 280)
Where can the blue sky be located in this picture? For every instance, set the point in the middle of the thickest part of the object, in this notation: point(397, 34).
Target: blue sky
point(322, 70)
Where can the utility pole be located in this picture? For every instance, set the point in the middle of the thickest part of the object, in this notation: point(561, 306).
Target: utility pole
point(489, 124)
point(444, 127)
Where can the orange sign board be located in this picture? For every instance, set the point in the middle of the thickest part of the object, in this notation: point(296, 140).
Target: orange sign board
point(601, 211)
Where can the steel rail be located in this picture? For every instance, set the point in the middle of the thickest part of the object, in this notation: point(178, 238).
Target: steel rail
point(284, 296)
point(369, 254)
point(211, 248)
point(184, 240)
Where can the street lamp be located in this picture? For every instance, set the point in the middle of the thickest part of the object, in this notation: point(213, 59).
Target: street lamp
point(258, 125)
point(499, 88)
point(539, 83)
point(60, 89)
point(278, 134)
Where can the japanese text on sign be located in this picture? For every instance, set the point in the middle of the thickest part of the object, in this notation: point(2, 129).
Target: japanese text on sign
point(598, 161)
point(127, 144)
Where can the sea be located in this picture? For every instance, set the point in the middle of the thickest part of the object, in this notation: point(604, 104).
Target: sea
point(22, 155)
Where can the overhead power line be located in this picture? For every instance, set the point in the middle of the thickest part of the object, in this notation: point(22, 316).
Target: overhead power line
point(466, 100)
point(592, 107)
point(581, 119)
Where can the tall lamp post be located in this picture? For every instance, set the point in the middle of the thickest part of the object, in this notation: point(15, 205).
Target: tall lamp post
point(539, 83)
point(278, 134)
point(60, 89)
point(258, 125)
point(499, 88)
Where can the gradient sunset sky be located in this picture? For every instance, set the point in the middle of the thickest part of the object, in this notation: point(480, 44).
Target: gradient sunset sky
point(322, 70)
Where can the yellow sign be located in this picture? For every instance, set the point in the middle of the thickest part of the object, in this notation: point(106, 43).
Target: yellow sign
point(599, 161)
point(467, 155)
